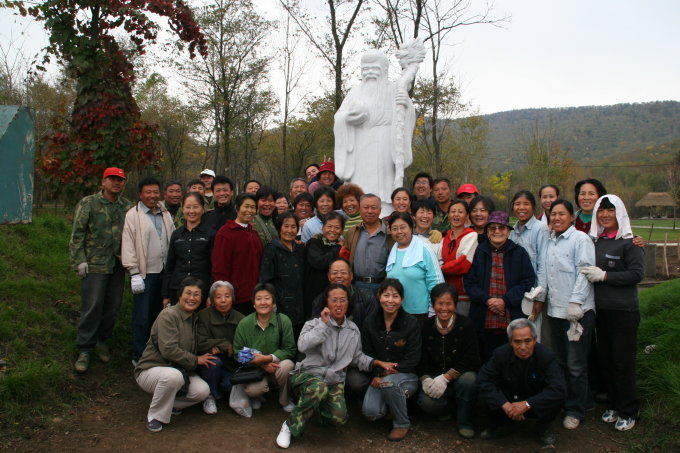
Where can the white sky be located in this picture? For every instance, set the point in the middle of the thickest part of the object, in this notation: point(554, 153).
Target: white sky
point(551, 53)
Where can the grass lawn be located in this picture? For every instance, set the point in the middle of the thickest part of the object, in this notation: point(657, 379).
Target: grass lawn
point(656, 222)
point(39, 311)
point(656, 234)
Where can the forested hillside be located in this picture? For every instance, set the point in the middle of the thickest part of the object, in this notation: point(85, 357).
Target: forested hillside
point(590, 133)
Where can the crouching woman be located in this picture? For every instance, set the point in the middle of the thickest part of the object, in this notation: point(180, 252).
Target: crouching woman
point(167, 366)
point(330, 343)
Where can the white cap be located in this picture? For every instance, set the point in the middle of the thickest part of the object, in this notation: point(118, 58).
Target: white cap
point(208, 172)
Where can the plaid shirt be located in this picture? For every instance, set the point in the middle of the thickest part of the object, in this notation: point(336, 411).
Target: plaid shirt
point(497, 290)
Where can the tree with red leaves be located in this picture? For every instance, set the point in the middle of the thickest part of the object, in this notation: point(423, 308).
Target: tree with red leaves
point(104, 128)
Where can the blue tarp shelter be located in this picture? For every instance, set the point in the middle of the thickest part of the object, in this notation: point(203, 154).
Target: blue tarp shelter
point(17, 150)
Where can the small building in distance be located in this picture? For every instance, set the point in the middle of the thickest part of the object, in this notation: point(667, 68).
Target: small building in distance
point(658, 204)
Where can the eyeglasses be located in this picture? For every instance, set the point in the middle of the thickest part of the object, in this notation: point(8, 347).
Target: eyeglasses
point(336, 300)
point(497, 228)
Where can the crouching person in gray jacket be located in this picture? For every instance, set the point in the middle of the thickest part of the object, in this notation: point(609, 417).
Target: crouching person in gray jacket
point(330, 343)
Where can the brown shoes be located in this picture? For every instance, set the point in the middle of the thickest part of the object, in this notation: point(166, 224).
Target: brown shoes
point(397, 434)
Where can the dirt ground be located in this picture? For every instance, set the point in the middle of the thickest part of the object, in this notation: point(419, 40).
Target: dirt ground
point(114, 421)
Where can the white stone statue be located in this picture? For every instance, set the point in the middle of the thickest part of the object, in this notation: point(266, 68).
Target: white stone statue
point(374, 125)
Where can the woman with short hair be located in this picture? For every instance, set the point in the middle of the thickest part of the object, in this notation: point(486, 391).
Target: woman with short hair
point(546, 195)
point(586, 194)
point(347, 198)
point(480, 209)
point(413, 263)
point(237, 252)
point(393, 336)
point(324, 202)
point(270, 334)
point(167, 366)
point(283, 266)
point(216, 327)
point(330, 343)
point(189, 250)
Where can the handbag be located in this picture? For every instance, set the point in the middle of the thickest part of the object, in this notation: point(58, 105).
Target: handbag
point(245, 374)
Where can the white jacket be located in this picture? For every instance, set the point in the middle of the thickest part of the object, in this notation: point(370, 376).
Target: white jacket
point(135, 231)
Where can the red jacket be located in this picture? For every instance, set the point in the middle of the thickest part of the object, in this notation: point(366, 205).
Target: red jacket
point(236, 257)
point(455, 267)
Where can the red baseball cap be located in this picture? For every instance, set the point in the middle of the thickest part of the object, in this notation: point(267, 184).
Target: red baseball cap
point(327, 166)
point(113, 171)
point(467, 188)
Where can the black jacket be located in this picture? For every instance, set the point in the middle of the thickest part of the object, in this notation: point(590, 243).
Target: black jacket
point(189, 253)
point(285, 269)
point(625, 266)
point(401, 345)
point(318, 258)
point(538, 380)
point(363, 301)
point(519, 278)
point(216, 218)
point(458, 349)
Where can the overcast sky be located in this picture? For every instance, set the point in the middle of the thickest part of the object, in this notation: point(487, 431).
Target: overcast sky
point(550, 53)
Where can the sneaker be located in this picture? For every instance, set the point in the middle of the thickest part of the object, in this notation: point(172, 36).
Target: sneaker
point(283, 439)
point(154, 426)
point(176, 411)
point(256, 404)
point(83, 362)
point(570, 422)
point(466, 433)
point(134, 363)
point(290, 406)
point(209, 406)
point(102, 350)
point(610, 416)
point(624, 424)
point(547, 438)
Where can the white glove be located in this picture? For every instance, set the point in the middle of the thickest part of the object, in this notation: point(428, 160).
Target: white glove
point(594, 274)
point(439, 385)
point(575, 331)
point(137, 284)
point(82, 270)
point(574, 312)
point(427, 386)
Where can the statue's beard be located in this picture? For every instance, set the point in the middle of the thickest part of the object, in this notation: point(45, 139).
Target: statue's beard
point(374, 96)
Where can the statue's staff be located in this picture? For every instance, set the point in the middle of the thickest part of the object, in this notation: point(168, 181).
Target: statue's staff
point(410, 56)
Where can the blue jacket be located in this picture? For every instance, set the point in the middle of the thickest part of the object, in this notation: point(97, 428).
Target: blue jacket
point(519, 278)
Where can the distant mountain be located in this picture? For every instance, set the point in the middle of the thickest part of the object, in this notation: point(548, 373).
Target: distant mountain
point(591, 133)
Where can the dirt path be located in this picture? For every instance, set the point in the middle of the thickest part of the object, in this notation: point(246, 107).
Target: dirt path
point(114, 422)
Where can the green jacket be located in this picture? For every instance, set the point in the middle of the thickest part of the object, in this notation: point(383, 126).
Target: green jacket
point(265, 228)
point(441, 220)
point(173, 341)
point(97, 233)
point(217, 330)
point(249, 334)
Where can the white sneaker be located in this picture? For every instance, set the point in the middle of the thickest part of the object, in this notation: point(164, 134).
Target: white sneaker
point(610, 416)
point(570, 422)
point(255, 403)
point(209, 406)
point(289, 407)
point(283, 439)
point(624, 424)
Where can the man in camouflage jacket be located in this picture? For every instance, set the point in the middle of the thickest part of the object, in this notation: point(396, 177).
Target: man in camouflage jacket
point(95, 254)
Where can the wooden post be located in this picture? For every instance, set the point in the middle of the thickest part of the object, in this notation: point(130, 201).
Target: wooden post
point(665, 255)
point(651, 230)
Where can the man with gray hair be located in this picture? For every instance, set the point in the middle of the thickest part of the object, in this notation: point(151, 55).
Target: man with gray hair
point(522, 380)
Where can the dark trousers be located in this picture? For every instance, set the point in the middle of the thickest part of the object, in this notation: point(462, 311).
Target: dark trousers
point(245, 308)
point(617, 343)
point(498, 419)
point(489, 340)
point(145, 309)
point(101, 297)
point(217, 377)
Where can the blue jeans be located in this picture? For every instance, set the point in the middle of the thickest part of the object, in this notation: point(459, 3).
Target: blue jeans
point(145, 309)
point(391, 394)
point(101, 297)
point(372, 287)
point(462, 392)
point(573, 357)
point(218, 378)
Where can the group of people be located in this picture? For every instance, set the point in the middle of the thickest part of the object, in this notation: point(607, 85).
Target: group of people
point(443, 300)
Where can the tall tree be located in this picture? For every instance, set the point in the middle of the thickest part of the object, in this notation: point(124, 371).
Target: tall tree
point(330, 41)
point(104, 127)
point(221, 85)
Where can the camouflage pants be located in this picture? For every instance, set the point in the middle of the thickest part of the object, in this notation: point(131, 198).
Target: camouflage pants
point(315, 395)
